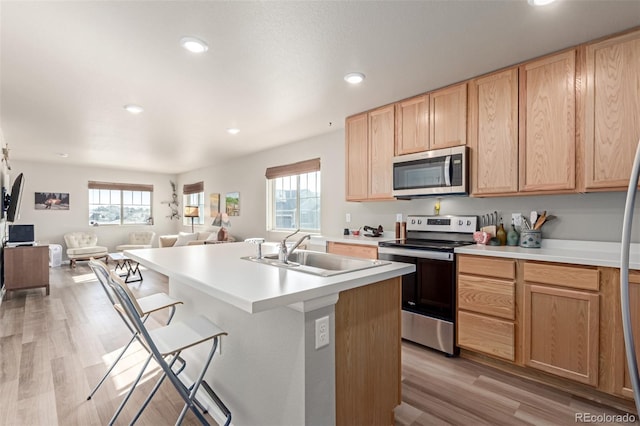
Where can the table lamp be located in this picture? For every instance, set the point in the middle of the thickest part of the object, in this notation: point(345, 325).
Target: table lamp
point(191, 211)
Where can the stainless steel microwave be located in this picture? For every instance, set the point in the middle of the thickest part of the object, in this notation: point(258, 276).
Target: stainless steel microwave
point(437, 172)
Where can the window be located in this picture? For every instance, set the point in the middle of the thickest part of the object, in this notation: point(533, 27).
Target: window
point(293, 196)
point(119, 203)
point(193, 195)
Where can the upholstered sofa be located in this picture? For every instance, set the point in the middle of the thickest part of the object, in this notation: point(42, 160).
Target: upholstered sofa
point(190, 239)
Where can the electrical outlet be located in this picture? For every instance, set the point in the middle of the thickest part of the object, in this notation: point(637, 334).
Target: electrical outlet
point(517, 219)
point(348, 217)
point(322, 332)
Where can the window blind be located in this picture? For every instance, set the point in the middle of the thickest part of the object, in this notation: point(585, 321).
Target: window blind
point(120, 186)
point(193, 188)
point(298, 168)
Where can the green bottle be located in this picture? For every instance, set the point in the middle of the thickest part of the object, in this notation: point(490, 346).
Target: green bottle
point(512, 236)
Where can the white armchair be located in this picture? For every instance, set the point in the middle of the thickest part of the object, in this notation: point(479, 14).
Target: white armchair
point(138, 240)
point(83, 246)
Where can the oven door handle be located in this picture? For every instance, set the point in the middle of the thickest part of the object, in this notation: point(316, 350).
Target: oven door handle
point(422, 254)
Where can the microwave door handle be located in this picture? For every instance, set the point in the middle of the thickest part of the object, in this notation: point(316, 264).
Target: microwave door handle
point(447, 170)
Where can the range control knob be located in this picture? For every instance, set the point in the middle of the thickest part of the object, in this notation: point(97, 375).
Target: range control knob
point(419, 221)
point(468, 222)
point(460, 222)
point(413, 221)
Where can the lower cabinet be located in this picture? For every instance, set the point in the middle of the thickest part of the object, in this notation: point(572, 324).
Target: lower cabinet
point(486, 305)
point(353, 250)
point(561, 332)
point(622, 378)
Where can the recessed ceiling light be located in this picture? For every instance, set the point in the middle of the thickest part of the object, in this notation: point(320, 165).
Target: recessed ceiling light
point(354, 77)
point(233, 131)
point(63, 154)
point(134, 109)
point(193, 44)
point(540, 2)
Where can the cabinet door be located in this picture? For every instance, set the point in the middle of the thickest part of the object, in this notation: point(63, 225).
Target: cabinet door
point(612, 111)
point(356, 160)
point(622, 372)
point(448, 117)
point(412, 125)
point(547, 124)
point(493, 133)
point(561, 332)
point(353, 250)
point(381, 148)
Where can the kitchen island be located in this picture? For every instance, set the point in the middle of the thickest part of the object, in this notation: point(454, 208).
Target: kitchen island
point(269, 371)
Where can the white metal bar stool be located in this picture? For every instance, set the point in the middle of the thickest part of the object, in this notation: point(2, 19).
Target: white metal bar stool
point(170, 341)
point(148, 305)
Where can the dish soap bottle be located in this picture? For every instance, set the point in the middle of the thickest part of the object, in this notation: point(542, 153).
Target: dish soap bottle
point(512, 236)
point(501, 234)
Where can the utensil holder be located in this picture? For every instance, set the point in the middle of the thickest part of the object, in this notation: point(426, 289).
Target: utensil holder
point(530, 238)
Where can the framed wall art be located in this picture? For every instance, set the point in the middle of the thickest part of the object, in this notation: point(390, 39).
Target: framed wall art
point(214, 204)
point(232, 200)
point(52, 201)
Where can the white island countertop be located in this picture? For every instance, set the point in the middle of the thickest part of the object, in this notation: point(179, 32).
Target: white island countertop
point(592, 253)
point(219, 271)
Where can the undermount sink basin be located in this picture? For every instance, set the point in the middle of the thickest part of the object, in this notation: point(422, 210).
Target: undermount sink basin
point(318, 263)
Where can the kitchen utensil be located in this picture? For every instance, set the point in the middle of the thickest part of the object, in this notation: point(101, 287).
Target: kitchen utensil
point(525, 224)
point(375, 232)
point(540, 220)
point(533, 217)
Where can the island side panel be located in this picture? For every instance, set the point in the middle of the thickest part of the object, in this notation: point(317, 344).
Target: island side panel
point(368, 369)
point(260, 374)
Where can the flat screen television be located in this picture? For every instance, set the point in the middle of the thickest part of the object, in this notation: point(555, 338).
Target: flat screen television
point(14, 202)
point(21, 234)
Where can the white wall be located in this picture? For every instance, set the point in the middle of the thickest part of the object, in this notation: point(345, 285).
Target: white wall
point(596, 216)
point(51, 225)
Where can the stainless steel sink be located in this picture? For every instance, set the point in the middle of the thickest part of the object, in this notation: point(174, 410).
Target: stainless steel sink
point(318, 263)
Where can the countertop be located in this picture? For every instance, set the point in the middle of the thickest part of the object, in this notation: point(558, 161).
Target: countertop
point(566, 251)
point(350, 239)
point(218, 270)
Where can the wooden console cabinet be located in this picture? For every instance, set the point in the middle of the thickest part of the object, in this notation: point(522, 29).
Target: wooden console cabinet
point(26, 267)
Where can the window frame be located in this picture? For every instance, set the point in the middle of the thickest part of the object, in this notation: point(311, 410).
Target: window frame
point(120, 188)
point(271, 216)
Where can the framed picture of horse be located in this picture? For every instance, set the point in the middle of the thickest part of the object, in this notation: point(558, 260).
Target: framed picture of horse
point(52, 201)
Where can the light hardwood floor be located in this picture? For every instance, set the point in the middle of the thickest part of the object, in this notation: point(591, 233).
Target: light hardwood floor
point(53, 349)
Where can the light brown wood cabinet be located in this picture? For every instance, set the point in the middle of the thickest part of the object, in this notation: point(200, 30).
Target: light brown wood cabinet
point(352, 250)
point(370, 141)
point(26, 267)
point(493, 133)
point(448, 117)
point(486, 305)
point(612, 127)
point(547, 124)
point(412, 125)
point(561, 321)
point(622, 381)
point(356, 156)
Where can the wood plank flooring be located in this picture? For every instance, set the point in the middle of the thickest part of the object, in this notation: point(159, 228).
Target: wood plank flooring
point(54, 349)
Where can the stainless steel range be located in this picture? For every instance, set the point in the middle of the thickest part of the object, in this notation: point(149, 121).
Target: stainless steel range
point(429, 294)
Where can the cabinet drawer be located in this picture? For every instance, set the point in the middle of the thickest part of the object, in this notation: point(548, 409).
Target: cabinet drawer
point(487, 266)
point(487, 335)
point(353, 250)
point(487, 296)
point(581, 277)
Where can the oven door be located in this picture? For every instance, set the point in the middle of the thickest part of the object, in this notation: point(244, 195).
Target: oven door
point(431, 289)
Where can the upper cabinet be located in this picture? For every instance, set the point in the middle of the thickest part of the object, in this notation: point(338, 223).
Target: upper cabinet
point(612, 126)
point(356, 130)
point(547, 124)
point(493, 133)
point(370, 140)
point(412, 125)
point(448, 117)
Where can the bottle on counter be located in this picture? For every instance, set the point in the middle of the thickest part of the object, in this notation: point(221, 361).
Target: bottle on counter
point(501, 234)
point(397, 230)
point(403, 230)
point(513, 238)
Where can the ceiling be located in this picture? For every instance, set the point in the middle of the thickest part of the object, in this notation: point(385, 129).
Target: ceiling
point(274, 69)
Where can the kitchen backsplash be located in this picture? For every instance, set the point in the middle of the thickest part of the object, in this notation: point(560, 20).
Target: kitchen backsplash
point(593, 216)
